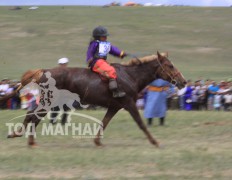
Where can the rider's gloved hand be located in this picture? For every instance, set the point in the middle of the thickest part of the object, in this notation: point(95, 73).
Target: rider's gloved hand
point(123, 55)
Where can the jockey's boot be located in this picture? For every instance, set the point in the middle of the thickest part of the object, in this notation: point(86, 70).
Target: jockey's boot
point(113, 86)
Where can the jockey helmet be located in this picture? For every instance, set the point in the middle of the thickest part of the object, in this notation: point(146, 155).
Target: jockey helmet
point(100, 31)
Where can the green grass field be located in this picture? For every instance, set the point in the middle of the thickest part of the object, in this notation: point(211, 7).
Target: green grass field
point(195, 146)
point(198, 39)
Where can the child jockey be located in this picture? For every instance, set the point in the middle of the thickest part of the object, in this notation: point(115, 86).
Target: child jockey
point(97, 53)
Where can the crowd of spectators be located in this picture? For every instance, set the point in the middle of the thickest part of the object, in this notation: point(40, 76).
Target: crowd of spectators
point(6, 87)
point(205, 95)
point(25, 99)
point(197, 95)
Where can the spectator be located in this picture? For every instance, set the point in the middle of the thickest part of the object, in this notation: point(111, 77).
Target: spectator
point(196, 95)
point(156, 101)
point(223, 90)
point(212, 90)
point(23, 99)
point(201, 81)
point(31, 101)
point(3, 87)
point(228, 101)
point(203, 95)
point(230, 84)
point(63, 62)
point(188, 96)
point(11, 103)
point(217, 102)
point(181, 94)
point(16, 98)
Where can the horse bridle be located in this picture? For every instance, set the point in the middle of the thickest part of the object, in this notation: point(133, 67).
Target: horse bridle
point(171, 76)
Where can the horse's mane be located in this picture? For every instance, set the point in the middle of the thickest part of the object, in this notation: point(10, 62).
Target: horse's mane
point(31, 75)
point(143, 60)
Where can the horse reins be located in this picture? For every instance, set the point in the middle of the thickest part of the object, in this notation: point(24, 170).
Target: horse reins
point(172, 77)
point(134, 56)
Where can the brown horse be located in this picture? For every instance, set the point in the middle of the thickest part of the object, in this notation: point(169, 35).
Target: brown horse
point(132, 78)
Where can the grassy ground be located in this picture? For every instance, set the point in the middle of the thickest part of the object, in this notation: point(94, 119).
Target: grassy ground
point(195, 145)
point(198, 39)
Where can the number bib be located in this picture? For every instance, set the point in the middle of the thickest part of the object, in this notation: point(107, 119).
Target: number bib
point(104, 48)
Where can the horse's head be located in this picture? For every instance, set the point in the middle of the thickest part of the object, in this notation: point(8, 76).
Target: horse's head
point(169, 72)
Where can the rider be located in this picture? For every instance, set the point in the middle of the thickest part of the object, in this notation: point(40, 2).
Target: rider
point(97, 53)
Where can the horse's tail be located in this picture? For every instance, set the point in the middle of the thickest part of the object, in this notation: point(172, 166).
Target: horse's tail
point(27, 77)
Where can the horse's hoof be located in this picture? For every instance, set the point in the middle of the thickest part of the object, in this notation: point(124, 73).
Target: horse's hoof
point(98, 143)
point(33, 145)
point(10, 136)
point(157, 144)
point(13, 135)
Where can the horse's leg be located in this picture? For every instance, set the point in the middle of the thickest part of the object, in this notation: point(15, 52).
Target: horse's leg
point(19, 132)
point(31, 138)
point(35, 121)
point(53, 115)
point(60, 112)
point(66, 117)
point(108, 116)
point(131, 107)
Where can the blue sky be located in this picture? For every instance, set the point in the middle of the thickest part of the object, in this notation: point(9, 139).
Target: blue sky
point(103, 2)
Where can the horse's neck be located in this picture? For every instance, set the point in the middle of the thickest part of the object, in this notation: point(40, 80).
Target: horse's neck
point(143, 74)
